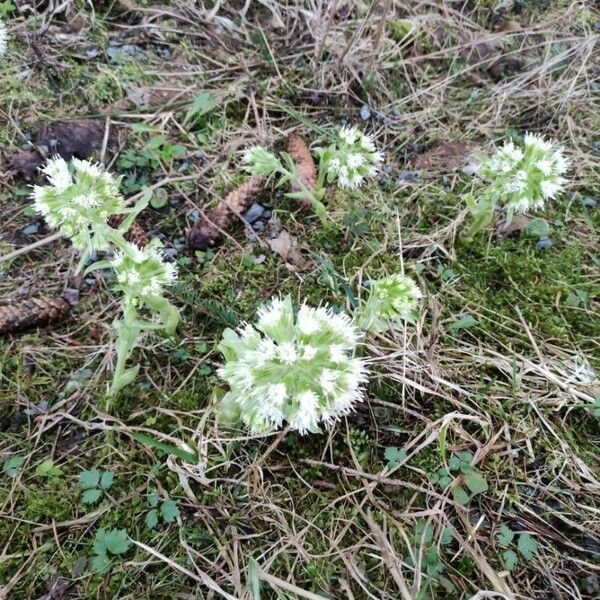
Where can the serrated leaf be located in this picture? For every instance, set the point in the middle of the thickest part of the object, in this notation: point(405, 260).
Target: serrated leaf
point(461, 496)
point(454, 463)
point(538, 228)
point(527, 546)
point(447, 536)
point(106, 479)
point(117, 541)
point(505, 535)
point(465, 322)
point(99, 563)
point(47, 468)
point(151, 519)
point(510, 558)
point(202, 104)
point(89, 479)
point(99, 543)
point(169, 511)
point(91, 495)
point(12, 465)
point(476, 482)
point(423, 532)
point(153, 498)
point(394, 456)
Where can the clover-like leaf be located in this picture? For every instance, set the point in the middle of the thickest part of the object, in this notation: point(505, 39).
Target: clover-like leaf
point(169, 511)
point(527, 546)
point(91, 495)
point(476, 482)
point(510, 558)
point(106, 479)
point(89, 479)
point(151, 519)
point(505, 535)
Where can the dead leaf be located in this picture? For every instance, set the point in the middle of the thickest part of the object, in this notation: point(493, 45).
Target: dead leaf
point(445, 156)
point(286, 246)
point(75, 139)
point(518, 223)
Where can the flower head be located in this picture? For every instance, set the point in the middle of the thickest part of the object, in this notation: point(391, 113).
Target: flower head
point(523, 178)
point(259, 161)
point(298, 368)
point(390, 299)
point(78, 201)
point(142, 274)
point(3, 38)
point(352, 158)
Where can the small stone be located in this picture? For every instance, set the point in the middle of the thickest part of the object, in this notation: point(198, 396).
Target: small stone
point(170, 252)
point(258, 226)
point(26, 146)
point(194, 216)
point(387, 169)
point(365, 112)
point(31, 229)
point(199, 155)
point(544, 243)
point(267, 214)
point(71, 295)
point(596, 145)
point(408, 177)
point(589, 202)
point(179, 244)
point(254, 213)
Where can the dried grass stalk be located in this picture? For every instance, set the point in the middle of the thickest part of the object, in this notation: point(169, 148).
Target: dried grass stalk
point(32, 312)
point(210, 230)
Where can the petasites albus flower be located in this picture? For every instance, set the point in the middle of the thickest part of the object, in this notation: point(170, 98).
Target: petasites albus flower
point(142, 274)
point(78, 201)
point(390, 300)
point(523, 177)
point(352, 158)
point(3, 38)
point(259, 161)
point(298, 368)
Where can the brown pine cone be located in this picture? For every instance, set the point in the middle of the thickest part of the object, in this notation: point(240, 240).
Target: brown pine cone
point(32, 312)
point(305, 165)
point(208, 232)
point(136, 233)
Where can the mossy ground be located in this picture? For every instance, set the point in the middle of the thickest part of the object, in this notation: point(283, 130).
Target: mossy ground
point(331, 515)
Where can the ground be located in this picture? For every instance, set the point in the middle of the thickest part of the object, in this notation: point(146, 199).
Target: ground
point(472, 464)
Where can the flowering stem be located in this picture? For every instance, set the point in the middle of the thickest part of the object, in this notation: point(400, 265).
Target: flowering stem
point(483, 214)
point(307, 194)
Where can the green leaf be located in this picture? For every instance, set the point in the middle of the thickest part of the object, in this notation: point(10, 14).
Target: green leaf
point(189, 457)
point(91, 495)
point(151, 519)
point(476, 482)
point(106, 480)
point(89, 479)
point(394, 456)
point(461, 496)
point(423, 532)
point(169, 511)
point(538, 228)
point(510, 558)
point(100, 563)
point(505, 535)
point(442, 477)
point(117, 541)
point(159, 199)
point(447, 536)
point(527, 546)
point(465, 322)
point(156, 142)
point(454, 463)
point(202, 104)
point(12, 465)
point(153, 498)
point(47, 468)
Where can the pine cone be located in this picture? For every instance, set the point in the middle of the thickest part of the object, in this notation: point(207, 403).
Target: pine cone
point(32, 312)
point(208, 232)
point(136, 233)
point(305, 165)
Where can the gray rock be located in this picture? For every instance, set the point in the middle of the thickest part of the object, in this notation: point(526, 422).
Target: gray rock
point(544, 243)
point(365, 112)
point(409, 177)
point(170, 252)
point(258, 226)
point(179, 244)
point(31, 229)
point(194, 216)
point(589, 202)
point(254, 213)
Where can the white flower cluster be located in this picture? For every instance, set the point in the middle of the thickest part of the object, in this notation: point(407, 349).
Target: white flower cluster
point(79, 203)
point(301, 368)
point(352, 158)
point(390, 299)
point(142, 274)
point(259, 161)
point(3, 38)
point(523, 178)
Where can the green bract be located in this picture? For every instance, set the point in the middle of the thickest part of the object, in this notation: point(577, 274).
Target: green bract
point(352, 158)
point(390, 300)
point(523, 178)
point(259, 161)
point(300, 368)
point(79, 203)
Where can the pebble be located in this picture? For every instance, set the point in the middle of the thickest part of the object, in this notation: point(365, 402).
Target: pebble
point(163, 52)
point(544, 243)
point(596, 145)
point(254, 213)
point(27, 146)
point(170, 252)
point(132, 50)
point(31, 229)
point(258, 226)
point(179, 244)
point(194, 216)
point(365, 112)
point(409, 177)
point(589, 202)
point(267, 214)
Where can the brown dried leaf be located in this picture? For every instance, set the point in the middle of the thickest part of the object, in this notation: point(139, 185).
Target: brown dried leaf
point(305, 165)
point(287, 247)
point(32, 312)
point(518, 223)
point(445, 156)
point(77, 138)
point(209, 230)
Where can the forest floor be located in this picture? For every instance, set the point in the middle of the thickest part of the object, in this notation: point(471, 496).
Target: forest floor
point(473, 463)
